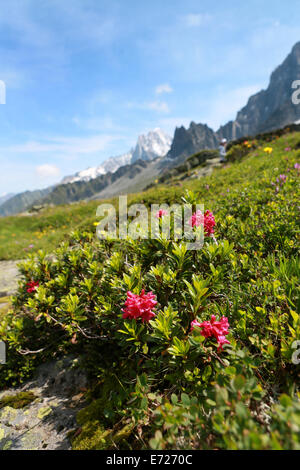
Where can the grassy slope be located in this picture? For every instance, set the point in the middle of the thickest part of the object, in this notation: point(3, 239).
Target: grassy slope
point(47, 229)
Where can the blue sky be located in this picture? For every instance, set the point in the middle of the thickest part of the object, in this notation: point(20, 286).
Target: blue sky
point(85, 77)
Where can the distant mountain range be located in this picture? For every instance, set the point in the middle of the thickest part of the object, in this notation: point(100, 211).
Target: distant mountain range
point(5, 197)
point(156, 152)
point(22, 201)
point(148, 147)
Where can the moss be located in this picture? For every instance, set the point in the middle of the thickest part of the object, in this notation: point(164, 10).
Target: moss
point(96, 421)
point(20, 400)
point(94, 436)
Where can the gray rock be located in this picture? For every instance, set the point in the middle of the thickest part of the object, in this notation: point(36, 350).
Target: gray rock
point(46, 422)
point(186, 142)
point(9, 275)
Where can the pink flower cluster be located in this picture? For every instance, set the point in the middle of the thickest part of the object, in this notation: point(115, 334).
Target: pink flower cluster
point(213, 328)
point(161, 213)
point(139, 306)
point(31, 286)
point(196, 219)
point(207, 220)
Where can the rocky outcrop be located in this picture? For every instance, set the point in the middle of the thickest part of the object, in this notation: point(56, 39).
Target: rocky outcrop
point(271, 108)
point(189, 141)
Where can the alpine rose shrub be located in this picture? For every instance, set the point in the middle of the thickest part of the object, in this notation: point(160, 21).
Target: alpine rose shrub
point(31, 286)
point(139, 306)
point(207, 220)
point(213, 328)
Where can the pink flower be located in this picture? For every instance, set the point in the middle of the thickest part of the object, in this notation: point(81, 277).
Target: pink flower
point(213, 328)
point(287, 149)
point(297, 166)
point(196, 219)
point(31, 286)
point(209, 223)
point(221, 341)
point(139, 306)
point(207, 220)
point(194, 324)
point(161, 213)
point(281, 179)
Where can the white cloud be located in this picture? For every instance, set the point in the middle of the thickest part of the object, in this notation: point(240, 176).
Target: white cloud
point(196, 19)
point(163, 88)
point(47, 171)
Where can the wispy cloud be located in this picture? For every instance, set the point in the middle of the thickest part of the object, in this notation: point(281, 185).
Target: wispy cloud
point(47, 171)
point(63, 145)
point(196, 19)
point(98, 123)
point(158, 106)
point(163, 88)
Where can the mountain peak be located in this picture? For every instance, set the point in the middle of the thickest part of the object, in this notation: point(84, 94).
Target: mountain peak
point(296, 48)
point(155, 143)
point(191, 140)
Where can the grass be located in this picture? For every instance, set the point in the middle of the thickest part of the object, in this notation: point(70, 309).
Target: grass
point(20, 235)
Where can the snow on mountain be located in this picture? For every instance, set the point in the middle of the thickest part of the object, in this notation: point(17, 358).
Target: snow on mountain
point(155, 144)
point(110, 165)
